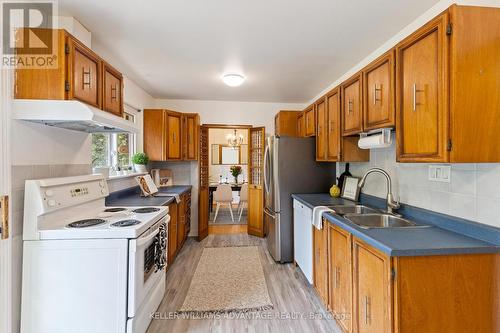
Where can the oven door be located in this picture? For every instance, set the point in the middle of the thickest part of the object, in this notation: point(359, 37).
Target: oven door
point(146, 270)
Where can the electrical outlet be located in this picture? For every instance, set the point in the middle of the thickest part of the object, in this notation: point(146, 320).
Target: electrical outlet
point(440, 173)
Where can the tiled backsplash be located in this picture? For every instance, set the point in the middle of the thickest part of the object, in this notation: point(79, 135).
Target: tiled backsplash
point(473, 193)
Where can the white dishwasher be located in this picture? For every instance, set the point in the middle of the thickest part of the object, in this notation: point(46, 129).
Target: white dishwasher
point(303, 238)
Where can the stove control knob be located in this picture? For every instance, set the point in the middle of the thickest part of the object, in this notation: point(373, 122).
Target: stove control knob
point(51, 203)
point(49, 193)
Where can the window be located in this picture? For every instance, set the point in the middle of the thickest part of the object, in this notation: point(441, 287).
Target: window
point(114, 149)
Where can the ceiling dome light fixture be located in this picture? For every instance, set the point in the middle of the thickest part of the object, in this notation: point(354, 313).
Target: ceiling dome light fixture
point(233, 80)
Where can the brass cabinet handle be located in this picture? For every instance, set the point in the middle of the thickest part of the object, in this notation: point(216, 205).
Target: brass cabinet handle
point(173, 137)
point(337, 277)
point(367, 310)
point(114, 90)
point(415, 91)
point(350, 104)
point(84, 75)
point(375, 90)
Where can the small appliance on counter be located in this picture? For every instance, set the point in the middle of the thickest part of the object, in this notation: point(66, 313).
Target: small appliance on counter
point(88, 267)
point(162, 177)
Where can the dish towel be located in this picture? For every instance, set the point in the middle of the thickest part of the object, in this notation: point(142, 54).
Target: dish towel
point(317, 216)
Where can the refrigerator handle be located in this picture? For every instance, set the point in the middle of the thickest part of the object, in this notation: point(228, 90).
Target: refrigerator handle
point(266, 166)
point(269, 214)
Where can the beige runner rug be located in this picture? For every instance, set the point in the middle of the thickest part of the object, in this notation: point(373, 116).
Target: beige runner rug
point(228, 279)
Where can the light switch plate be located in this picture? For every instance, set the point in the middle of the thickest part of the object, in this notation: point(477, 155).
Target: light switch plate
point(440, 173)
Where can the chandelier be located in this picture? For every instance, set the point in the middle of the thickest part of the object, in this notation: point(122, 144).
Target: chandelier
point(234, 140)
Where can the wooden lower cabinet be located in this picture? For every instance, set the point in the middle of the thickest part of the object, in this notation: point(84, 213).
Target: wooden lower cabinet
point(340, 275)
point(320, 261)
point(172, 233)
point(179, 226)
point(370, 291)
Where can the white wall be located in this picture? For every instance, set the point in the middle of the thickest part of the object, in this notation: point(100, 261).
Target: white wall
point(234, 113)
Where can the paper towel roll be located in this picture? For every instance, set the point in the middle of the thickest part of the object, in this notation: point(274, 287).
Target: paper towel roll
point(374, 141)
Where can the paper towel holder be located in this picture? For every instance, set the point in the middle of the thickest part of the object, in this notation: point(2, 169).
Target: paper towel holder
point(385, 134)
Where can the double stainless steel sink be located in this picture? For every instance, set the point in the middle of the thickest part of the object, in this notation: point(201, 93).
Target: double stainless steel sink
point(368, 218)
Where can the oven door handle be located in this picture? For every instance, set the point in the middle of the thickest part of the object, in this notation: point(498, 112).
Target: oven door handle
point(143, 240)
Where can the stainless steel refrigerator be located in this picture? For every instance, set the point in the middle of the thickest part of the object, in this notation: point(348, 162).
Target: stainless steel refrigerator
point(289, 167)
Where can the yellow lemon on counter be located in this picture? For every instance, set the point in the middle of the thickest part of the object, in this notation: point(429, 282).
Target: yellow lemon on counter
point(335, 191)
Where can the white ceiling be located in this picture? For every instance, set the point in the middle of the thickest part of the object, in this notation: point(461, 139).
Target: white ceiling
point(289, 50)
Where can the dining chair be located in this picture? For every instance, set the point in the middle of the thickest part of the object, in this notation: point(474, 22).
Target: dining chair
point(243, 199)
point(223, 195)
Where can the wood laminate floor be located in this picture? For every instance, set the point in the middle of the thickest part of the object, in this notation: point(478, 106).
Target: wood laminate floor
point(297, 307)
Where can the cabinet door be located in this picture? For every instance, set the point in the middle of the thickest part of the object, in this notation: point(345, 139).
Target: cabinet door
point(310, 121)
point(112, 99)
point(372, 290)
point(321, 130)
point(256, 182)
point(190, 135)
point(181, 222)
point(422, 126)
point(378, 92)
point(174, 136)
point(320, 244)
point(351, 106)
point(155, 134)
point(340, 280)
point(172, 232)
point(300, 125)
point(85, 74)
point(333, 128)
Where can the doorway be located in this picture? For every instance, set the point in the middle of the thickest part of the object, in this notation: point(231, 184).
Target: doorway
point(231, 175)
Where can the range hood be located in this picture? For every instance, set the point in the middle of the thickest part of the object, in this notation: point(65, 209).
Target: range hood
point(73, 115)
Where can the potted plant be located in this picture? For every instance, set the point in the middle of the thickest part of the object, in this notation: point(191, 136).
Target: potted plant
point(235, 171)
point(140, 161)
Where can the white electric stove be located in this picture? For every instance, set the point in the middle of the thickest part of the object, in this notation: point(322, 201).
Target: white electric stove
point(88, 267)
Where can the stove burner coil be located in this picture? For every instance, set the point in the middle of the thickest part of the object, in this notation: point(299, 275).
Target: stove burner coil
point(114, 210)
point(86, 223)
point(146, 210)
point(125, 223)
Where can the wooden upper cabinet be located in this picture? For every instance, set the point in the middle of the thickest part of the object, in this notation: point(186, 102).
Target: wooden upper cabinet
point(112, 93)
point(474, 84)
point(340, 278)
point(174, 144)
point(320, 261)
point(352, 120)
point(321, 130)
point(84, 73)
point(155, 134)
point(333, 127)
point(372, 290)
point(170, 135)
point(80, 74)
point(421, 94)
point(379, 93)
point(190, 123)
point(310, 121)
point(300, 125)
point(285, 123)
